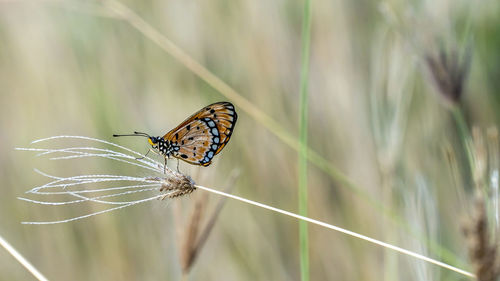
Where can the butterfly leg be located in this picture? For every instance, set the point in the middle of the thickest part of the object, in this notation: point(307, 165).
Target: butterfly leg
point(139, 158)
point(178, 166)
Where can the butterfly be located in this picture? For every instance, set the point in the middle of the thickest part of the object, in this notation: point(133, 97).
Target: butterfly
point(199, 138)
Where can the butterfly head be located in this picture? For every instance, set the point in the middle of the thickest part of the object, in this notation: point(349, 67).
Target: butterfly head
point(153, 141)
point(160, 145)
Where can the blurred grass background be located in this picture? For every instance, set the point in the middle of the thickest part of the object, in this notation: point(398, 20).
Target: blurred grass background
point(74, 68)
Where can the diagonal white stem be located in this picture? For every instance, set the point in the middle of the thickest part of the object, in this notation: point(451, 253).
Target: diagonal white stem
point(339, 229)
point(24, 262)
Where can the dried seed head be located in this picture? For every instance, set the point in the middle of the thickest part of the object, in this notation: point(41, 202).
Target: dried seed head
point(482, 251)
point(175, 184)
point(449, 73)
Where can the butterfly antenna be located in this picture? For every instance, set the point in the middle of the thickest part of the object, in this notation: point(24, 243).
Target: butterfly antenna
point(135, 134)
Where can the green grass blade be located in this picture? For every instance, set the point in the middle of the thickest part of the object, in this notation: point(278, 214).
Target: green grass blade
point(303, 148)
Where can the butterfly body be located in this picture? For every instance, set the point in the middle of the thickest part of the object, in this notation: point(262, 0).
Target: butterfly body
point(164, 147)
point(200, 137)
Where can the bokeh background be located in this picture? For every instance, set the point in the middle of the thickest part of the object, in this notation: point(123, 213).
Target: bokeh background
point(392, 165)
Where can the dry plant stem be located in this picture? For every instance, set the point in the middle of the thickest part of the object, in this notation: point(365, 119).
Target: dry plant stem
point(25, 263)
point(202, 238)
point(195, 239)
point(189, 247)
point(339, 229)
point(208, 228)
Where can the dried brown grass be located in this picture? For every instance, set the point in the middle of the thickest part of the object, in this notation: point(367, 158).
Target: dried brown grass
point(483, 251)
point(196, 232)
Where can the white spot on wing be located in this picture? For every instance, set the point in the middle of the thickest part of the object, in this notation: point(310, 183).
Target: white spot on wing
point(215, 132)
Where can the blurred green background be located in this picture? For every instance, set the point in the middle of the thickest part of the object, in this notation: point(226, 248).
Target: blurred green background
point(76, 68)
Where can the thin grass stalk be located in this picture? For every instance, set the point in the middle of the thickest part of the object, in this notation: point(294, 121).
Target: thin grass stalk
point(195, 235)
point(342, 230)
point(188, 246)
point(303, 110)
point(24, 262)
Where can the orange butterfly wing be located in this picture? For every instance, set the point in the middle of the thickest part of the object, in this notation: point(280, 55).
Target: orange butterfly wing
point(204, 134)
